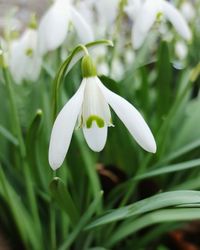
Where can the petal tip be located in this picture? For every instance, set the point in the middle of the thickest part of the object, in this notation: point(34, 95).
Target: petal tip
point(54, 164)
point(152, 147)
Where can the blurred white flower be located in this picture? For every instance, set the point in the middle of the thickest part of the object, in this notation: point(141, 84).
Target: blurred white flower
point(117, 68)
point(103, 68)
point(129, 56)
point(107, 11)
point(24, 60)
point(101, 14)
point(181, 50)
point(90, 106)
point(188, 10)
point(53, 27)
point(152, 10)
point(132, 8)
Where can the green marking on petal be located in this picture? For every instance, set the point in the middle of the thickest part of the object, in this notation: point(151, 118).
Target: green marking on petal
point(159, 16)
point(29, 52)
point(99, 121)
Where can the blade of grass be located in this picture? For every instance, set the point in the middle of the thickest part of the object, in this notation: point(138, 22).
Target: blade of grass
point(161, 216)
point(158, 201)
point(170, 169)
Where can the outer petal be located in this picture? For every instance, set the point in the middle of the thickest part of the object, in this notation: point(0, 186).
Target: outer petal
point(131, 118)
point(63, 128)
point(144, 21)
point(176, 19)
point(82, 27)
point(16, 55)
point(54, 26)
point(96, 137)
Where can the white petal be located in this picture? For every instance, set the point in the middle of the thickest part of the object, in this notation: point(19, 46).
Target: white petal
point(53, 27)
point(16, 55)
point(82, 27)
point(144, 21)
point(94, 102)
point(95, 137)
point(177, 20)
point(63, 128)
point(131, 118)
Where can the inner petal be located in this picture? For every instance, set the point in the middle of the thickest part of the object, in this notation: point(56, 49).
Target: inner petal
point(95, 137)
point(95, 109)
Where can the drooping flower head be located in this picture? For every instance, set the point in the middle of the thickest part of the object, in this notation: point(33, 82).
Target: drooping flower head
point(24, 60)
point(53, 27)
point(90, 106)
point(149, 12)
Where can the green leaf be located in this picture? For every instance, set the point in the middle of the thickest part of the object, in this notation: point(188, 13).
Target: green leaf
point(179, 152)
point(168, 199)
point(23, 220)
point(164, 79)
point(170, 169)
point(31, 146)
point(33, 130)
point(165, 215)
point(61, 195)
point(8, 135)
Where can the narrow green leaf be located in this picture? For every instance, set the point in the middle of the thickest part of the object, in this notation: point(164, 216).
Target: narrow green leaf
point(165, 215)
point(61, 195)
point(164, 79)
point(8, 135)
point(34, 129)
point(170, 169)
point(168, 199)
point(22, 218)
point(31, 146)
point(179, 152)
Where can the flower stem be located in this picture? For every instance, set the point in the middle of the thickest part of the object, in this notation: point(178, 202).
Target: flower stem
point(53, 221)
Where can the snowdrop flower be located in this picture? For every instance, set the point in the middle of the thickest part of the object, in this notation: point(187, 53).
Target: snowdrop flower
point(54, 25)
point(91, 107)
point(24, 60)
point(149, 12)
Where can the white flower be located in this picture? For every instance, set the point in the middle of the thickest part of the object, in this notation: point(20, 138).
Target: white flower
point(53, 27)
point(90, 106)
point(150, 10)
point(24, 60)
